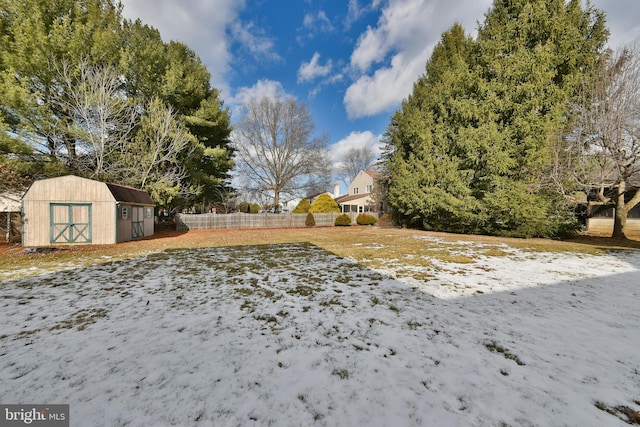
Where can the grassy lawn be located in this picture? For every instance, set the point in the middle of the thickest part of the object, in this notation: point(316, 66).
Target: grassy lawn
point(363, 244)
point(325, 326)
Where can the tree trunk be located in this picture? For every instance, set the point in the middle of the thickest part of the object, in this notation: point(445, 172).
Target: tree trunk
point(276, 202)
point(70, 143)
point(620, 217)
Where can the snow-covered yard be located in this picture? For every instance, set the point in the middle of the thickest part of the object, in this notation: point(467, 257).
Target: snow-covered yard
point(294, 335)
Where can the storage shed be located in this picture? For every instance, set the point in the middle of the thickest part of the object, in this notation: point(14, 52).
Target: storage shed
point(75, 210)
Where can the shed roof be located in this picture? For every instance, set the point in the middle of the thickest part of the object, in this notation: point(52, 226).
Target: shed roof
point(129, 194)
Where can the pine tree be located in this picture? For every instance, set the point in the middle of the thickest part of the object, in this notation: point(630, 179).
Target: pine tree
point(46, 49)
point(431, 185)
point(470, 148)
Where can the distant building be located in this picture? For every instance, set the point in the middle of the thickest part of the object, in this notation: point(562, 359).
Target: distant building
point(362, 194)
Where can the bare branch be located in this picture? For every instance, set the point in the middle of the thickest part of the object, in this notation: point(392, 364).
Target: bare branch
point(605, 149)
point(276, 151)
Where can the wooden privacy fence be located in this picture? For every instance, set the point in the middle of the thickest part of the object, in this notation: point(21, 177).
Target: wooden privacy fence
point(263, 220)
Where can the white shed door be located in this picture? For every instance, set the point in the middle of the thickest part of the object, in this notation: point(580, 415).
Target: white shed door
point(70, 223)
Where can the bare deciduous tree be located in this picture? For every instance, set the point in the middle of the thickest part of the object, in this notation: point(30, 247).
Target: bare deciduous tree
point(102, 118)
point(607, 143)
point(155, 159)
point(276, 150)
point(357, 159)
point(102, 122)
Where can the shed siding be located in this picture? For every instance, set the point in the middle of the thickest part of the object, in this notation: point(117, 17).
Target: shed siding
point(67, 189)
point(124, 225)
point(149, 226)
point(106, 227)
point(37, 221)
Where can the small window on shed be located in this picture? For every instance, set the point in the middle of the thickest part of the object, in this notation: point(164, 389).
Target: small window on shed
point(124, 212)
point(148, 212)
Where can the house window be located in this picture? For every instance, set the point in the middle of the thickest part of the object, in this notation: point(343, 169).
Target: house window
point(355, 190)
point(369, 188)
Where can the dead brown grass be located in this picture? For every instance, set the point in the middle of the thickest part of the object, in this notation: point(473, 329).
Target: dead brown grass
point(359, 243)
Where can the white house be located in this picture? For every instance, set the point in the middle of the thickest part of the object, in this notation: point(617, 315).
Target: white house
point(361, 193)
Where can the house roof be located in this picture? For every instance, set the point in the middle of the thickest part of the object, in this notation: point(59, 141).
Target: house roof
point(351, 197)
point(129, 194)
point(372, 173)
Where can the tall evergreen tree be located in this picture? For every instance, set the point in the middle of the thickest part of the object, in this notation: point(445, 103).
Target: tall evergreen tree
point(46, 47)
point(175, 74)
point(485, 116)
point(431, 186)
point(39, 36)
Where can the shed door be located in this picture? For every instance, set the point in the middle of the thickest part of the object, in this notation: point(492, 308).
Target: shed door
point(137, 221)
point(70, 223)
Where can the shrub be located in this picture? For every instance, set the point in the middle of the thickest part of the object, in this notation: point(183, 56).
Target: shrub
point(366, 219)
point(310, 221)
point(245, 207)
point(387, 220)
point(343, 219)
point(324, 204)
point(303, 206)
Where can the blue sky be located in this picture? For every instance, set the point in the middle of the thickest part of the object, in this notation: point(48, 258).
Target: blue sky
point(351, 61)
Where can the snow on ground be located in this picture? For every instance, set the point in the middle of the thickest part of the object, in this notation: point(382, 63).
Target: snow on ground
point(292, 335)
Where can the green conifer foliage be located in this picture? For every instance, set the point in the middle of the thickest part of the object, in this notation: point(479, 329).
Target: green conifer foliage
point(303, 206)
point(324, 204)
point(469, 150)
point(366, 219)
point(343, 220)
point(310, 221)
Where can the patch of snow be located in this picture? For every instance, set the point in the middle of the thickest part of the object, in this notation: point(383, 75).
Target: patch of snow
point(294, 335)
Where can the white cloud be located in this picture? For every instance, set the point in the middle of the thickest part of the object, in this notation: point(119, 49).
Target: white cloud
point(388, 58)
point(312, 69)
point(258, 45)
point(356, 10)
point(622, 20)
point(401, 26)
point(261, 89)
point(201, 25)
point(370, 48)
point(325, 23)
point(318, 21)
point(371, 95)
point(356, 140)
